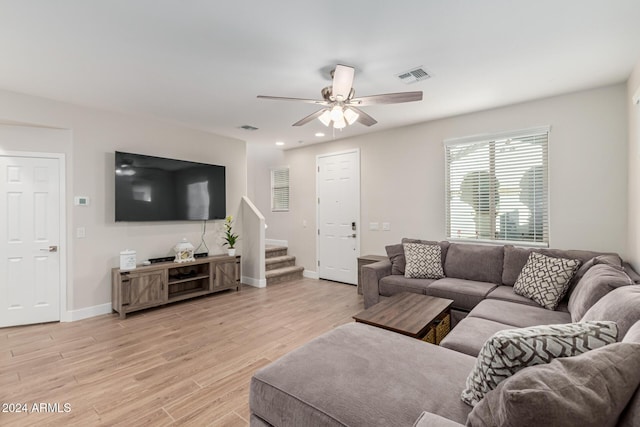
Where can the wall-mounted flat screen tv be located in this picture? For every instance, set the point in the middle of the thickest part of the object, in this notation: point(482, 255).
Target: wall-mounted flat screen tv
point(157, 189)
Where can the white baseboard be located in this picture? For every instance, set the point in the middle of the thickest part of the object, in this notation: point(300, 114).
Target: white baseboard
point(256, 283)
point(310, 274)
point(87, 312)
point(274, 242)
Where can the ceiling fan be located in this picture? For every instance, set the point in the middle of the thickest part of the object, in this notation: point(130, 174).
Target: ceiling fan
point(340, 106)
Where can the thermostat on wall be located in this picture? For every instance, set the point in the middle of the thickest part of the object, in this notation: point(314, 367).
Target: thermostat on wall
point(81, 201)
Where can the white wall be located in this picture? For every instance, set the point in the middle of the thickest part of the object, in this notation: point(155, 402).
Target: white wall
point(633, 88)
point(90, 162)
point(260, 160)
point(402, 174)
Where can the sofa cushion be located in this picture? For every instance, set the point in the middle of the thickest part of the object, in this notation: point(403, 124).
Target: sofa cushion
point(586, 390)
point(518, 315)
point(465, 294)
point(515, 258)
point(474, 262)
point(596, 283)
point(545, 279)
point(470, 334)
point(512, 350)
point(358, 374)
point(396, 256)
point(394, 284)
point(621, 305)
point(633, 334)
point(505, 293)
point(423, 261)
point(631, 415)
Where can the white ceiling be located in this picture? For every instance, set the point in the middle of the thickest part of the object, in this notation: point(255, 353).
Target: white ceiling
point(202, 62)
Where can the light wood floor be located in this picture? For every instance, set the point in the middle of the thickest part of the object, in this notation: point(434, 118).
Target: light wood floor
point(183, 364)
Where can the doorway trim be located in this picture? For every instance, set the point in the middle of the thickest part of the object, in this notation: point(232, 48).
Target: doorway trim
point(65, 316)
point(358, 216)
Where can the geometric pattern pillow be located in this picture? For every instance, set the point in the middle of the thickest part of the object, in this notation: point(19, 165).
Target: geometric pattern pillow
point(545, 279)
point(423, 261)
point(509, 351)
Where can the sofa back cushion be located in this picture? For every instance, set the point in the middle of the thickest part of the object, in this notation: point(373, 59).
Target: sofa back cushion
point(474, 262)
point(631, 415)
point(398, 260)
point(621, 305)
point(597, 282)
point(591, 389)
point(515, 258)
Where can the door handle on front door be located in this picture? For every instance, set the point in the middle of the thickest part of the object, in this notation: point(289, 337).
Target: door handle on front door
point(50, 249)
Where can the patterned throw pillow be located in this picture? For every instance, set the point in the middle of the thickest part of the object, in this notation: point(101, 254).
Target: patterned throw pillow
point(509, 351)
point(545, 279)
point(423, 261)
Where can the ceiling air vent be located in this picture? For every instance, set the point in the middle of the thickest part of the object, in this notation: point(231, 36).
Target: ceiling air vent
point(413, 76)
point(248, 127)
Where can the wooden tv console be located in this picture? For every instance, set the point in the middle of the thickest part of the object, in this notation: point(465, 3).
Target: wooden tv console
point(167, 282)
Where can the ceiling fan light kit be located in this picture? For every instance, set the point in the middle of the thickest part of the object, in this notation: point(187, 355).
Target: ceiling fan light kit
point(339, 101)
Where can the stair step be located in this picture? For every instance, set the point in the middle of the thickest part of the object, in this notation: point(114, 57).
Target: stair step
point(284, 274)
point(274, 263)
point(275, 251)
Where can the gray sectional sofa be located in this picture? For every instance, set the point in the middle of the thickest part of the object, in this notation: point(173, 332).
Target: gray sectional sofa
point(359, 375)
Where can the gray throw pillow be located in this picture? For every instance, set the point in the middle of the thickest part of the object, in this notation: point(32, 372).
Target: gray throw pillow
point(598, 281)
point(589, 390)
point(423, 261)
point(511, 350)
point(396, 256)
point(545, 279)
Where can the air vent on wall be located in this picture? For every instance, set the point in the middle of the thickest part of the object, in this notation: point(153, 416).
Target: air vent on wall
point(414, 75)
point(248, 127)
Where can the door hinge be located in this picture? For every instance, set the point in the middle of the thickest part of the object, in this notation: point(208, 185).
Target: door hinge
point(318, 263)
point(318, 231)
point(318, 168)
point(318, 200)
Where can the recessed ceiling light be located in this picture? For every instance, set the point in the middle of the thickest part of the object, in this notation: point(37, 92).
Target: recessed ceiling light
point(319, 134)
point(279, 143)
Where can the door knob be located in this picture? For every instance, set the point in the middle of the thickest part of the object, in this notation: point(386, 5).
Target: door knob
point(50, 249)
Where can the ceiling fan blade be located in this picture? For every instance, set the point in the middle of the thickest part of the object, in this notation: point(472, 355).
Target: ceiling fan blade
point(282, 98)
point(387, 98)
point(342, 81)
point(363, 117)
point(309, 118)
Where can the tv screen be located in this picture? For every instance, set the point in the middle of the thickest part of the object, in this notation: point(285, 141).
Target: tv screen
point(157, 189)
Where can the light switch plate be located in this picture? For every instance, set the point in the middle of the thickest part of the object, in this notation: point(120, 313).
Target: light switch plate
point(386, 226)
point(373, 226)
point(81, 201)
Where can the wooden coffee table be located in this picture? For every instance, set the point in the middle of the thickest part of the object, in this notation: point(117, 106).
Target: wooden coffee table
point(409, 314)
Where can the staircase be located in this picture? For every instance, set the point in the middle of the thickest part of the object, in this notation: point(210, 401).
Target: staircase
point(279, 266)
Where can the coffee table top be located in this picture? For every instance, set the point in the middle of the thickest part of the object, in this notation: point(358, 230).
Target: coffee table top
point(406, 313)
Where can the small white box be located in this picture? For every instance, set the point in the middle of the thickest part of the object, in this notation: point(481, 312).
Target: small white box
point(127, 259)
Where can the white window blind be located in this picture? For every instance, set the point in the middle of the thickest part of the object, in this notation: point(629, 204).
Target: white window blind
point(497, 188)
point(280, 190)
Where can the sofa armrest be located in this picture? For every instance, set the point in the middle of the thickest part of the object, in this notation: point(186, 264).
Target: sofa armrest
point(371, 275)
point(427, 419)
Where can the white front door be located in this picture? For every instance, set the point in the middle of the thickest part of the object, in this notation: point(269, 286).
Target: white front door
point(339, 216)
point(29, 239)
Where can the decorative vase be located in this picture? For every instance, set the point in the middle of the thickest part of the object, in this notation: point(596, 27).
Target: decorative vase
point(231, 251)
point(184, 251)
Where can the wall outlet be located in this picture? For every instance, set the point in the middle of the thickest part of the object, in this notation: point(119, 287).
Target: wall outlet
point(386, 226)
point(373, 226)
point(81, 201)
point(81, 233)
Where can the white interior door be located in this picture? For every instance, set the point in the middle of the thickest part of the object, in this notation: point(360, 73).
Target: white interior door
point(339, 216)
point(29, 238)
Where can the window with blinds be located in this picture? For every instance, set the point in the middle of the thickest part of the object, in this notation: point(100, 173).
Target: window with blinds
point(280, 190)
point(497, 188)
